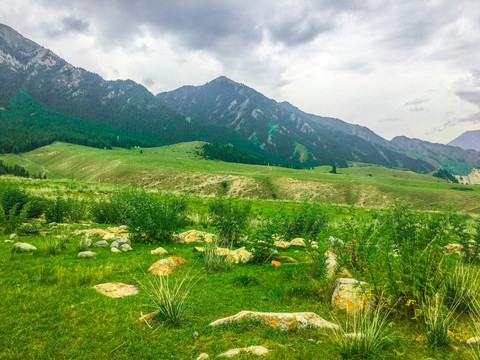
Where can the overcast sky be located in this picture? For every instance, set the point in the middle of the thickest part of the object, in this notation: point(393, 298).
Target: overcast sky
point(398, 67)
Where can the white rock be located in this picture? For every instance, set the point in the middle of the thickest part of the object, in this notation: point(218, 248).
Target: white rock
point(256, 350)
point(101, 243)
point(13, 236)
point(473, 341)
point(86, 254)
point(159, 251)
point(298, 242)
point(115, 250)
point(126, 247)
point(23, 247)
point(119, 242)
point(203, 356)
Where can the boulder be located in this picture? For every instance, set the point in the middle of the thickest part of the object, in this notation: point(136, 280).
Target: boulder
point(126, 247)
point(191, 236)
point(13, 236)
point(116, 289)
point(86, 254)
point(282, 244)
point(351, 295)
point(119, 242)
point(159, 251)
point(298, 242)
point(283, 321)
point(23, 247)
point(256, 350)
point(473, 341)
point(166, 266)
point(115, 250)
point(453, 249)
point(101, 243)
point(239, 256)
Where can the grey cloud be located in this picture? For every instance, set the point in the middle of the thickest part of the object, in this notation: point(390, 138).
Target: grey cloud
point(417, 109)
point(468, 89)
point(416, 101)
point(473, 118)
point(69, 24)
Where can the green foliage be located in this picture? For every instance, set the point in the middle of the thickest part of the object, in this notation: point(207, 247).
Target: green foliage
point(152, 218)
point(262, 242)
point(446, 175)
point(11, 220)
point(229, 153)
point(461, 287)
point(31, 229)
point(213, 260)
point(56, 210)
point(437, 319)
point(13, 198)
point(230, 218)
point(110, 210)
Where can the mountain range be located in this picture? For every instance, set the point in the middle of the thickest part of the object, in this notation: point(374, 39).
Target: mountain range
point(468, 140)
point(69, 102)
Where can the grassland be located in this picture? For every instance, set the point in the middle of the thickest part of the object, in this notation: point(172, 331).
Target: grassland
point(178, 168)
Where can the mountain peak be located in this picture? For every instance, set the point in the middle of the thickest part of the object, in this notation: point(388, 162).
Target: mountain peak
point(223, 79)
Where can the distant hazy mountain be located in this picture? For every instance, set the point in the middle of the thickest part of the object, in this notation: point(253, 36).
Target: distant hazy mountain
point(282, 129)
point(468, 140)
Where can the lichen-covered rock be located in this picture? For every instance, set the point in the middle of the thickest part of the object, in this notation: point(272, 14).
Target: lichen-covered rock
point(239, 256)
point(276, 263)
point(298, 242)
point(282, 244)
point(101, 243)
point(125, 247)
point(222, 251)
point(351, 295)
point(13, 236)
point(159, 251)
point(116, 290)
point(118, 229)
point(23, 247)
point(454, 249)
point(119, 242)
point(92, 232)
point(256, 350)
point(199, 249)
point(166, 266)
point(284, 321)
point(86, 254)
point(191, 236)
point(115, 250)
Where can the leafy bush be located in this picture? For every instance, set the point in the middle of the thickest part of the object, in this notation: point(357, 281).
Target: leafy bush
point(262, 242)
point(11, 220)
point(109, 211)
point(14, 198)
point(151, 218)
point(230, 219)
point(56, 210)
point(76, 210)
point(37, 207)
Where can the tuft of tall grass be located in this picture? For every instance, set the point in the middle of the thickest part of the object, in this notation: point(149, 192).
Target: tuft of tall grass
point(462, 287)
point(214, 261)
point(168, 298)
point(364, 334)
point(437, 319)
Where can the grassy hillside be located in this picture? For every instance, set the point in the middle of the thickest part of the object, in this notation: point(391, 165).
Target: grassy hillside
point(178, 168)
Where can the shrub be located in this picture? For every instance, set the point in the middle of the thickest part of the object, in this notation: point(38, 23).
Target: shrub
point(76, 210)
point(364, 334)
point(11, 220)
point(109, 211)
point(151, 218)
point(30, 229)
point(262, 242)
point(168, 298)
point(57, 210)
point(230, 219)
point(37, 207)
point(15, 199)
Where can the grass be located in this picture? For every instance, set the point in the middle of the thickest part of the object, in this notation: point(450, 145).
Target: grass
point(178, 168)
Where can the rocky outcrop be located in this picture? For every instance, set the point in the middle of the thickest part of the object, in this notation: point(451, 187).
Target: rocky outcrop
point(351, 295)
point(471, 179)
point(283, 321)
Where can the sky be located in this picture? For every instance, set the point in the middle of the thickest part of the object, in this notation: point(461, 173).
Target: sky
point(399, 67)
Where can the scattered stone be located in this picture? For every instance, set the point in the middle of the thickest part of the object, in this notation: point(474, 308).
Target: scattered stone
point(199, 249)
point(101, 243)
point(115, 250)
point(119, 242)
point(53, 224)
point(284, 321)
point(8, 241)
point(109, 236)
point(125, 248)
point(454, 249)
point(314, 245)
point(334, 240)
point(92, 232)
point(473, 341)
point(116, 289)
point(256, 350)
point(196, 334)
point(351, 295)
point(118, 229)
point(159, 251)
point(86, 254)
point(203, 356)
point(222, 251)
point(276, 263)
point(23, 247)
point(239, 256)
point(13, 236)
point(282, 244)
point(195, 236)
point(298, 242)
point(166, 266)
point(286, 259)
point(331, 263)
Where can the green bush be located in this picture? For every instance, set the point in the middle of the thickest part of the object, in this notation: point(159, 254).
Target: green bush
point(13, 219)
point(14, 198)
point(111, 210)
point(262, 243)
point(230, 218)
point(56, 210)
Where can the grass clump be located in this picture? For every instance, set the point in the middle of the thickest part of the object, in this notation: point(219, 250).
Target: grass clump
point(437, 319)
point(364, 334)
point(168, 298)
point(213, 260)
point(461, 287)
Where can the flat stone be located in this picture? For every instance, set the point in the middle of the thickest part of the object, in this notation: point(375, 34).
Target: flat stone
point(284, 321)
point(116, 290)
point(191, 236)
point(203, 356)
point(101, 243)
point(86, 254)
point(115, 250)
point(159, 251)
point(166, 266)
point(23, 247)
point(125, 248)
point(351, 295)
point(256, 350)
point(282, 244)
point(8, 241)
point(92, 232)
point(276, 263)
point(118, 229)
point(298, 242)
